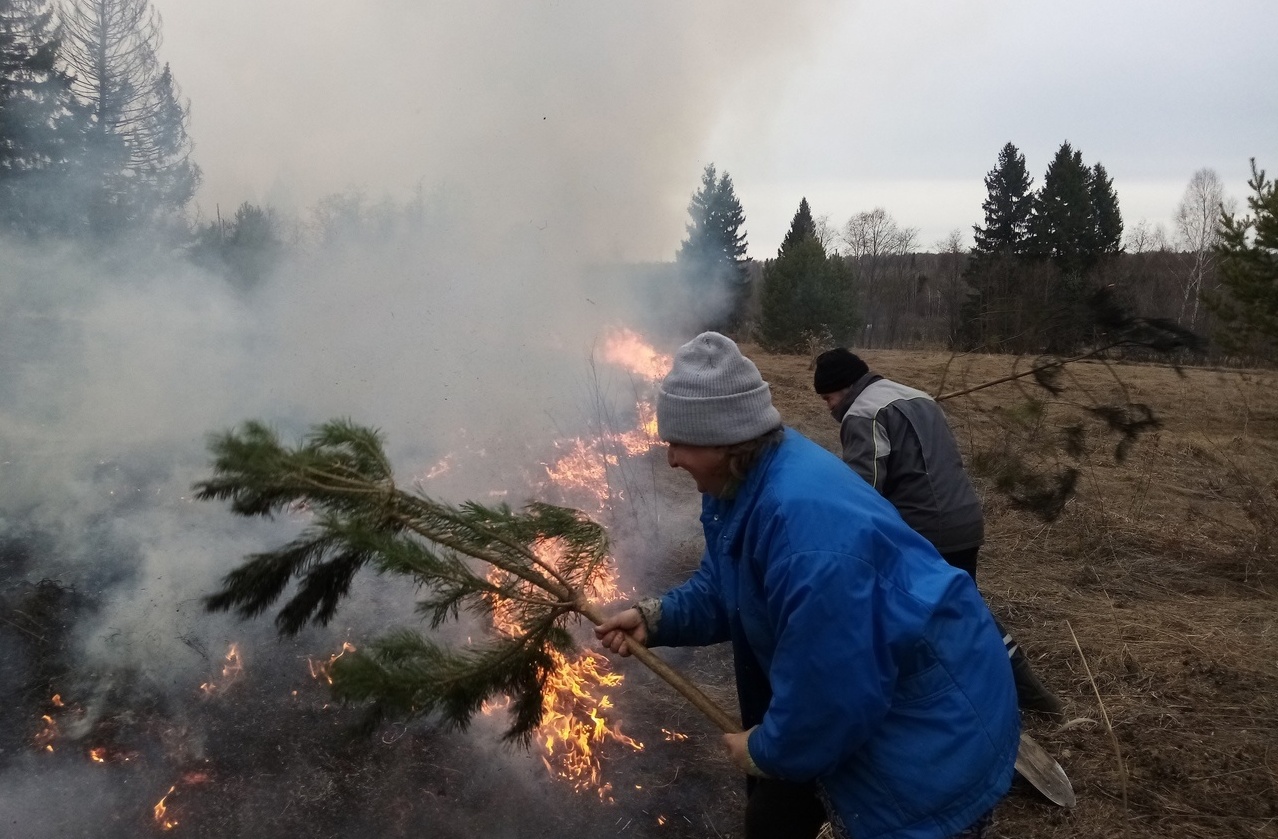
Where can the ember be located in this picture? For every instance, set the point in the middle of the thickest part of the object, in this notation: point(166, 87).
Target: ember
point(161, 812)
point(320, 669)
point(231, 672)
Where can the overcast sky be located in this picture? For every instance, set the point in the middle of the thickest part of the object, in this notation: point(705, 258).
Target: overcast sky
point(591, 120)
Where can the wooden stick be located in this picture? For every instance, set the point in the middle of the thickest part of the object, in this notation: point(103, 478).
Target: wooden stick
point(673, 677)
point(1014, 376)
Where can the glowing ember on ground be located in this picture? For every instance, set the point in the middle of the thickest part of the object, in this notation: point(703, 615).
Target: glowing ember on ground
point(56, 699)
point(97, 755)
point(324, 669)
point(48, 732)
point(674, 736)
point(232, 669)
point(161, 812)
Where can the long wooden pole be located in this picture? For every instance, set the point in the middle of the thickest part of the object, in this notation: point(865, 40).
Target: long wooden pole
point(673, 677)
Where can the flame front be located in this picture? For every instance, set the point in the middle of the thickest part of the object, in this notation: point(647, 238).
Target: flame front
point(627, 349)
point(574, 698)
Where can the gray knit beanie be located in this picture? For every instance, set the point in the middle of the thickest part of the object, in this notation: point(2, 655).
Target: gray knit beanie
point(713, 396)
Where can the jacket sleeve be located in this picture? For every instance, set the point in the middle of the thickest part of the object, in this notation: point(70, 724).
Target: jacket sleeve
point(866, 447)
point(832, 675)
point(692, 614)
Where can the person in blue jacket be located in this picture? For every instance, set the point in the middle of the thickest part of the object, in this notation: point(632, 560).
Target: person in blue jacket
point(874, 689)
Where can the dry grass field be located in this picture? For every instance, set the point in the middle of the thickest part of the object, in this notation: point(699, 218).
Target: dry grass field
point(1148, 604)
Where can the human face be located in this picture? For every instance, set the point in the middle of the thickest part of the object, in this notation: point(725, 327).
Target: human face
point(708, 465)
point(832, 400)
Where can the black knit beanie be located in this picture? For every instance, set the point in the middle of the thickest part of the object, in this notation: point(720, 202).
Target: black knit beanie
point(836, 369)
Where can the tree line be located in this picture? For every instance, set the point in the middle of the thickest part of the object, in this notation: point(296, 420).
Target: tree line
point(93, 127)
point(1032, 282)
point(94, 146)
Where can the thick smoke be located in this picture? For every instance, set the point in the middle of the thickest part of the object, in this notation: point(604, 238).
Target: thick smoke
point(550, 144)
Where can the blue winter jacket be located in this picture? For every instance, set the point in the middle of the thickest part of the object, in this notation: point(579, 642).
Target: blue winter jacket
point(868, 663)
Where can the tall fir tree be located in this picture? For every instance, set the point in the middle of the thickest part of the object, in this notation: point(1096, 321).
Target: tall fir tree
point(1008, 206)
point(139, 151)
point(1246, 303)
point(40, 125)
point(989, 316)
point(807, 294)
point(1063, 224)
point(1108, 237)
point(712, 258)
point(802, 226)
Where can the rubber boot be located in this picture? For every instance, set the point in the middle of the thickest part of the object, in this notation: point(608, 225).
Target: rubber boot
point(1031, 694)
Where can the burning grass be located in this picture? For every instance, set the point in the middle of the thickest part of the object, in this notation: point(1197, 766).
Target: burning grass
point(1161, 565)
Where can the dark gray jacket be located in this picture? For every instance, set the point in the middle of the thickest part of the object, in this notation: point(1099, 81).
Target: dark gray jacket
point(897, 438)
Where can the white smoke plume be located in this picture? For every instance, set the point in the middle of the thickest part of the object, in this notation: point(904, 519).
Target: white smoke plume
point(541, 147)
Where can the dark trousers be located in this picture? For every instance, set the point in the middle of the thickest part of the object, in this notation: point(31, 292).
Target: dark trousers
point(782, 810)
point(964, 560)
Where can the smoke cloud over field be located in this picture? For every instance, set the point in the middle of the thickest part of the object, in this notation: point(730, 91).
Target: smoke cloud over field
point(542, 147)
point(573, 130)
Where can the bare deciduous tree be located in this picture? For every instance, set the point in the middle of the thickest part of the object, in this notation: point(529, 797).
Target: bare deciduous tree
point(1197, 232)
point(876, 246)
point(1146, 238)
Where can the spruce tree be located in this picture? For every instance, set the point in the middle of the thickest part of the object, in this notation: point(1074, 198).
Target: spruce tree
point(1109, 220)
point(989, 314)
point(139, 152)
point(807, 294)
point(1008, 205)
point(802, 227)
point(1246, 303)
point(1063, 224)
point(712, 258)
point(40, 125)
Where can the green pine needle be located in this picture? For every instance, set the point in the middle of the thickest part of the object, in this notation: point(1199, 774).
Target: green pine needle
point(484, 560)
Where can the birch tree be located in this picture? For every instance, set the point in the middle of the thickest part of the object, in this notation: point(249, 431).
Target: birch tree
point(1197, 234)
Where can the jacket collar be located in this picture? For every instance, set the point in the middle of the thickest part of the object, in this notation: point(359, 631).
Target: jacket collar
point(734, 511)
point(840, 410)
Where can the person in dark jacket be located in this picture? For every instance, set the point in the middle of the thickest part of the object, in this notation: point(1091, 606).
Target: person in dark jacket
point(873, 684)
point(898, 440)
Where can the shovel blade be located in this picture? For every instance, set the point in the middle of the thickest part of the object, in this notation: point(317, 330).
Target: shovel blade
point(1035, 765)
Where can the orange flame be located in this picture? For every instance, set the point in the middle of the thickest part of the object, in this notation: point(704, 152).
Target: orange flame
point(97, 755)
point(48, 733)
point(161, 812)
point(625, 348)
point(574, 701)
point(232, 669)
point(324, 669)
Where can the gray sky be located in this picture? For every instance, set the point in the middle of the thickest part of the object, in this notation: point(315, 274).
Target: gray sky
point(589, 121)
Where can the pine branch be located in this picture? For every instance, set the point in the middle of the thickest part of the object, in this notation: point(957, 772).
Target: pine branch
point(341, 474)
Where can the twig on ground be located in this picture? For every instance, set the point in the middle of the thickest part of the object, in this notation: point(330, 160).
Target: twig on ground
point(1109, 728)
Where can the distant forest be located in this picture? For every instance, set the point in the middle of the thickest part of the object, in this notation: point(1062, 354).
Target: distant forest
point(94, 151)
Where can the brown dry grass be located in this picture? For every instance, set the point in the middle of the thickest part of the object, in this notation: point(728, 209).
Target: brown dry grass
point(1163, 565)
